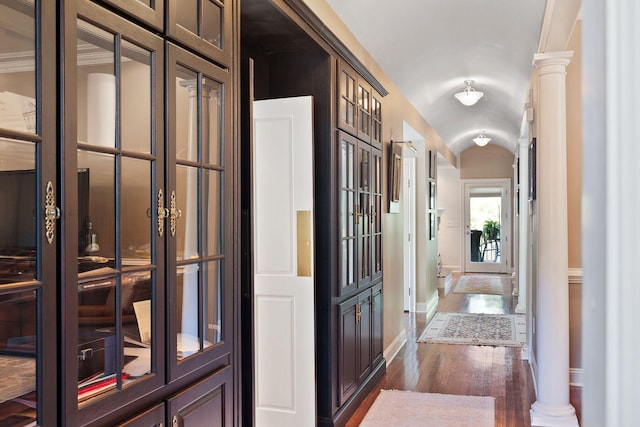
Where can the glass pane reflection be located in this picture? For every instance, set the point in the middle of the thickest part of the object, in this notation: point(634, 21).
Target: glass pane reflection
point(212, 212)
point(96, 85)
point(18, 89)
point(137, 205)
point(211, 22)
point(213, 302)
point(96, 210)
point(135, 102)
point(17, 209)
point(187, 303)
point(18, 405)
point(186, 114)
point(187, 224)
point(136, 294)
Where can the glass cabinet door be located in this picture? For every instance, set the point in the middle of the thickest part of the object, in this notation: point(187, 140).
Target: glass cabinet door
point(347, 99)
point(200, 213)
point(120, 208)
point(203, 24)
point(28, 294)
point(350, 213)
point(376, 120)
point(364, 225)
point(364, 111)
point(376, 215)
point(149, 11)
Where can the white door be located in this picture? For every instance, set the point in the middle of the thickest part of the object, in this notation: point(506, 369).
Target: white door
point(409, 210)
point(284, 329)
point(487, 219)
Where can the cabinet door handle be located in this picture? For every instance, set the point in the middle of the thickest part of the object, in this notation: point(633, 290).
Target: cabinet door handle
point(162, 212)
point(174, 213)
point(51, 212)
point(358, 313)
point(357, 214)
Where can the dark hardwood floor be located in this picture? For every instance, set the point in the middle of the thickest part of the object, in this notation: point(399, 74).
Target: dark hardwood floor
point(464, 369)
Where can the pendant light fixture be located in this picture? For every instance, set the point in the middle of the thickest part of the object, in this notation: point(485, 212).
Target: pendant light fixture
point(469, 96)
point(481, 139)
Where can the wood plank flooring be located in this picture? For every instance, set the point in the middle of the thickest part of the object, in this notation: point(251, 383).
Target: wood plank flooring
point(464, 369)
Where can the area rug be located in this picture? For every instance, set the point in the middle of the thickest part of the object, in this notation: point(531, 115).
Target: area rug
point(395, 408)
point(479, 284)
point(508, 330)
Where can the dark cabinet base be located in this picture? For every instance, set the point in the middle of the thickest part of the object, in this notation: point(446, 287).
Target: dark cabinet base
point(345, 412)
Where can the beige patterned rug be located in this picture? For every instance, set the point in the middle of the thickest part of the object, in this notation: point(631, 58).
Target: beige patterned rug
point(508, 330)
point(395, 408)
point(479, 284)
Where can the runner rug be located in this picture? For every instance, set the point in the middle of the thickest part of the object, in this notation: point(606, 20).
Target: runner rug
point(394, 408)
point(508, 330)
point(479, 284)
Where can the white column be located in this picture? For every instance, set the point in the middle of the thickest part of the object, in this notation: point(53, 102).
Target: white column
point(190, 275)
point(523, 226)
point(552, 407)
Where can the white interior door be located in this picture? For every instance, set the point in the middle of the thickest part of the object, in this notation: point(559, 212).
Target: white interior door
point(284, 329)
point(409, 210)
point(487, 201)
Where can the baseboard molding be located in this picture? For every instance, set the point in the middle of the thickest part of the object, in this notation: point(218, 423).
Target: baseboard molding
point(534, 368)
point(575, 377)
point(444, 282)
point(432, 305)
point(452, 268)
point(575, 276)
point(392, 350)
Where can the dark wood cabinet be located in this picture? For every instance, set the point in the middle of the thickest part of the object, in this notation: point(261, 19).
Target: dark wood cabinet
point(150, 12)
point(203, 25)
point(205, 403)
point(359, 106)
point(117, 259)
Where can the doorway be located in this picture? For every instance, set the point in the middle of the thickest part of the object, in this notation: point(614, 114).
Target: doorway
point(409, 212)
point(487, 219)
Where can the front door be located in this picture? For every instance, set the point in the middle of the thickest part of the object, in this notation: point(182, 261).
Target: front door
point(283, 242)
point(487, 226)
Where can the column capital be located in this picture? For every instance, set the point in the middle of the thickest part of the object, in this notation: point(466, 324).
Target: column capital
point(552, 58)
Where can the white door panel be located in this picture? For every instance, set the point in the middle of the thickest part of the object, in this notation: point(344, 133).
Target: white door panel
point(284, 329)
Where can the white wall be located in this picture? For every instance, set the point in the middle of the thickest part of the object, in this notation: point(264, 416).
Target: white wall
point(449, 198)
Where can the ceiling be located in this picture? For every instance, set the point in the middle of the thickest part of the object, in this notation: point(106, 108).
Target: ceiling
point(428, 48)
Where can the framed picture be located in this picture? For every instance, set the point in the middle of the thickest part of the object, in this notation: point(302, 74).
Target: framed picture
point(532, 169)
point(395, 177)
point(432, 194)
point(432, 226)
point(432, 164)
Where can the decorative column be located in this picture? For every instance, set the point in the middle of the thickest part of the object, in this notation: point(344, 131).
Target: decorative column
point(523, 226)
point(552, 408)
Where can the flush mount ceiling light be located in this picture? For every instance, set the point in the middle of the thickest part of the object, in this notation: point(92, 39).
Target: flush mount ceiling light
point(469, 96)
point(481, 139)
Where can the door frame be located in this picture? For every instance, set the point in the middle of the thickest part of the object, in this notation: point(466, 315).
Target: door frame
point(505, 265)
point(409, 232)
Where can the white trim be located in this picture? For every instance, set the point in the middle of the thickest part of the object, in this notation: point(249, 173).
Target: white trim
point(392, 350)
point(444, 283)
point(575, 276)
point(452, 268)
point(534, 369)
point(575, 377)
point(432, 305)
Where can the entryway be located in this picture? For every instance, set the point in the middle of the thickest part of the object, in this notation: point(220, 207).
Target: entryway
point(487, 232)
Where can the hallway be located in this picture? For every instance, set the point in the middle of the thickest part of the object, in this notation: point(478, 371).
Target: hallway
point(464, 369)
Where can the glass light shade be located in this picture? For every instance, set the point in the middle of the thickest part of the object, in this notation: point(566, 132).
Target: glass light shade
point(469, 96)
point(481, 140)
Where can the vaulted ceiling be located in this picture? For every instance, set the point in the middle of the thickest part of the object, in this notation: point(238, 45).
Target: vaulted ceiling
point(428, 48)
